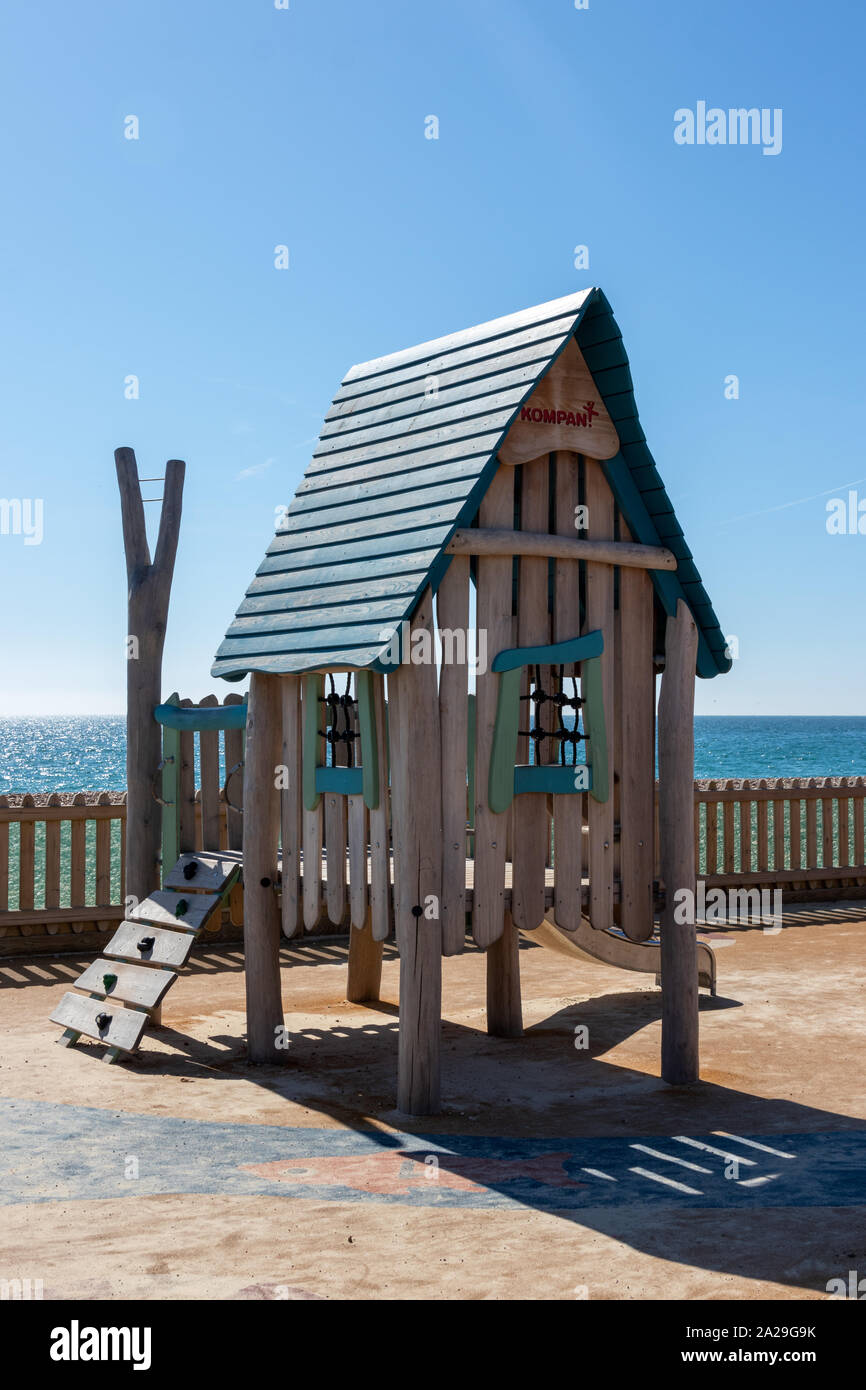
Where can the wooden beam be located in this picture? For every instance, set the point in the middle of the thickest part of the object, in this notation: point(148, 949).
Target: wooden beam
point(504, 1011)
point(365, 964)
point(679, 966)
point(413, 716)
point(495, 541)
point(261, 846)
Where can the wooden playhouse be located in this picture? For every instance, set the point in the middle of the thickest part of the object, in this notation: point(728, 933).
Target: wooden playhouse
point(453, 642)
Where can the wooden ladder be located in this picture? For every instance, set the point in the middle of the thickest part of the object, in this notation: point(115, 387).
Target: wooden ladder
point(124, 989)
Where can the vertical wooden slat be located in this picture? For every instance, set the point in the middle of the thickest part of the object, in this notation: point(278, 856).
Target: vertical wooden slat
point(4, 860)
point(290, 806)
point(599, 615)
point(859, 823)
point(26, 858)
point(103, 855)
point(356, 818)
point(452, 615)
point(763, 827)
point(778, 828)
point(234, 750)
point(827, 827)
point(844, 825)
point(533, 629)
point(122, 854)
point(335, 832)
point(312, 821)
point(261, 846)
point(186, 808)
point(381, 908)
point(209, 767)
point(729, 849)
point(567, 810)
point(365, 963)
point(417, 821)
point(794, 833)
point(52, 864)
point(636, 753)
point(78, 858)
point(493, 615)
point(712, 815)
point(812, 828)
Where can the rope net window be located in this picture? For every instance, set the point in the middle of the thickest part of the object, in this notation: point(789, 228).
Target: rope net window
point(341, 720)
point(567, 732)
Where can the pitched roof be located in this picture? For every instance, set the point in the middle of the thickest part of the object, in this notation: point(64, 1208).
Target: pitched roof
point(407, 451)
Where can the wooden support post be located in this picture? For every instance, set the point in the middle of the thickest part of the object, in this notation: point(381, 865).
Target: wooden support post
point(261, 842)
point(679, 965)
point(149, 591)
point(365, 964)
point(504, 1012)
point(413, 716)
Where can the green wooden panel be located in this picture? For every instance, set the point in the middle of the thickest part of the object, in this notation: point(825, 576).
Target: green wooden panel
point(278, 601)
point(345, 639)
point(554, 654)
point(348, 781)
point(318, 620)
point(170, 791)
point(495, 330)
point(204, 717)
point(369, 739)
point(500, 784)
point(487, 349)
point(379, 526)
point(314, 687)
point(417, 406)
point(553, 778)
point(394, 446)
point(369, 548)
point(393, 502)
point(411, 480)
point(335, 474)
point(362, 571)
point(594, 724)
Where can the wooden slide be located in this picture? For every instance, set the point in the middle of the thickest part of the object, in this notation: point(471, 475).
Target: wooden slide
point(614, 948)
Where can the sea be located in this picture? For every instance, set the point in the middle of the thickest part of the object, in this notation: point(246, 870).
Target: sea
point(88, 753)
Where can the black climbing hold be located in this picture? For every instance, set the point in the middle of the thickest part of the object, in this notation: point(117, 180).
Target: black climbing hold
point(146, 943)
point(102, 1021)
point(265, 882)
point(190, 869)
point(417, 911)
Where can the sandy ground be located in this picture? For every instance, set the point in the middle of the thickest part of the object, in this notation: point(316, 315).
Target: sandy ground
point(304, 1182)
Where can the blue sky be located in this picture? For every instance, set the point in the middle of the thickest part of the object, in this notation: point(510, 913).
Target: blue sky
point(305, 126)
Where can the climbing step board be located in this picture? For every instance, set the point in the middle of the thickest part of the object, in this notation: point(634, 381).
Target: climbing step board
point(211, 872)
point(161, 910)
point(133, 984)
point(120, 1030)
point(167, 948)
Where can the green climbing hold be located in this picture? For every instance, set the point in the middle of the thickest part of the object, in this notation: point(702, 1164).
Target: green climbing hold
point(181, 909)
point(109, 981)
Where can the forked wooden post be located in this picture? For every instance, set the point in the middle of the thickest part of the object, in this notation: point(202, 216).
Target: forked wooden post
point(148, 598)
point(679, 963)
point(261, 846)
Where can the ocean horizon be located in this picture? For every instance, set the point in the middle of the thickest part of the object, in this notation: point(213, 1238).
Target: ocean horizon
point(73, 753)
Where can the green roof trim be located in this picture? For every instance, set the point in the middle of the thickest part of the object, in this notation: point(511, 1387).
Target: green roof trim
point(406, 454)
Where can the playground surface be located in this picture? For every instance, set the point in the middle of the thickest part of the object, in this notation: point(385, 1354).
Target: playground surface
point(557, 1170)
